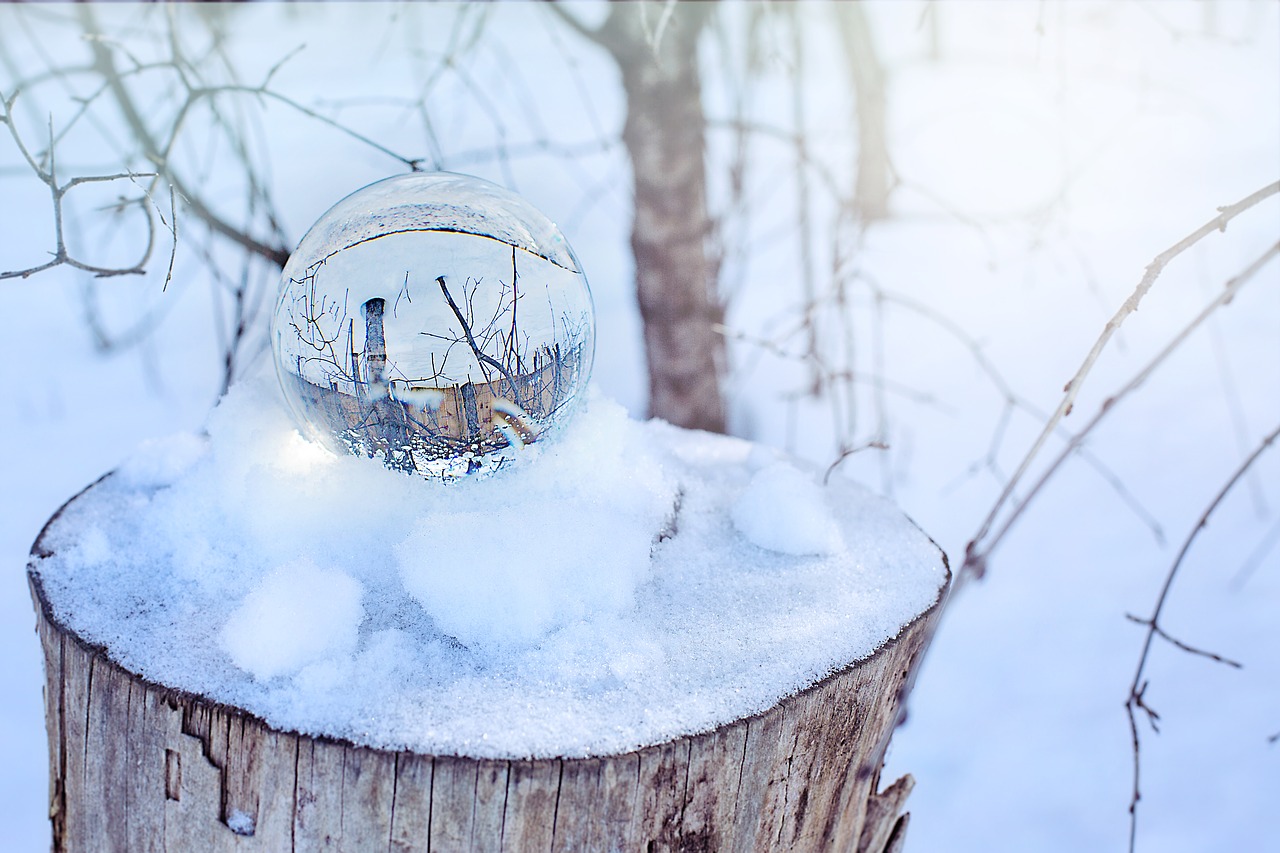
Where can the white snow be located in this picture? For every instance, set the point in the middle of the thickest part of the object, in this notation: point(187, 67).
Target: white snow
point(564, 607)
point(158, 461)
point(784, 510)
point(241, 823)
point(1094, 133)
point(421, 398)
point(507, 563)
point(296, 615)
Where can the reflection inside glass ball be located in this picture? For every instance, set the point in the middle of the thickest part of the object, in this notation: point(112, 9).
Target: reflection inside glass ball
point(434, 321)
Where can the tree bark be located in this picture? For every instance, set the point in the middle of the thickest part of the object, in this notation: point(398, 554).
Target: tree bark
point(138, 766)
point(656, 49)
point(874, 170)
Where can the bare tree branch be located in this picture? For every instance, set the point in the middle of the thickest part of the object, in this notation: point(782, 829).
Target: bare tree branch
point(57, 193)
point(104, 62)
point(980, 547)
point(1137, 689)
point(476, 348)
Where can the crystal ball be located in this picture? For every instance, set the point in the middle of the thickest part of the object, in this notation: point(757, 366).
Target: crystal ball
point(436, 322)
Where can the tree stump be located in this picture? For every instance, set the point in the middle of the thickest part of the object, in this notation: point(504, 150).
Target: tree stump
point(136, 766)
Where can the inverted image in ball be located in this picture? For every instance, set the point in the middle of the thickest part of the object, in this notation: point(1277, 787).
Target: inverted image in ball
point(434, 321)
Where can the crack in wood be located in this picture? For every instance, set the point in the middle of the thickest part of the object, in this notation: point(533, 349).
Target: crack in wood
point(293, 824)
point(128, 752)
point(431, 802)
point(88, 710)
point(57, 809)
point(555, 811)
point(475, 802)
point(342, 800)
point(684, 795)
point(506, 792)
point(391, 820)
point(172, 775)
point(786, 780)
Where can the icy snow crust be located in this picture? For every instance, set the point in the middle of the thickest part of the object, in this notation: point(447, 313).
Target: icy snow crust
point(546, 611)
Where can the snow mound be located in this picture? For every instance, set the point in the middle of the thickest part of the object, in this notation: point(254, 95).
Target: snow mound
point(626, 585)
point(296, 615)
point(785, 510)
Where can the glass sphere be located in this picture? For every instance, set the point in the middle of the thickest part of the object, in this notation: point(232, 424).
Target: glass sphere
point(436, 322)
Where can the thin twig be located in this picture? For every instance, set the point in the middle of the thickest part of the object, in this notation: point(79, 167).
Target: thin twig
point(1137, 689)
point(480, 354)
point(984, 542)
point(57, 193)
point(1160, 632)
point(845, 454)
point(104, 62)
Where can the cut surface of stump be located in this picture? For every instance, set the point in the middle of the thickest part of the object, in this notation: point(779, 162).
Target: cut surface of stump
point(145, 758)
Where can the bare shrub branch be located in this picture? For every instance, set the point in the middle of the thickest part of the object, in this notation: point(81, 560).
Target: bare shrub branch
point(985, 541)
point(48, 175)
point(1137, 689)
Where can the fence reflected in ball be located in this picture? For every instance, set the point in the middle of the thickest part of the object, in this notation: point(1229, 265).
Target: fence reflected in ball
point(436, 322)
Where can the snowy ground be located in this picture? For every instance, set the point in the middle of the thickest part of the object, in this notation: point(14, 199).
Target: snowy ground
point(1078, 140)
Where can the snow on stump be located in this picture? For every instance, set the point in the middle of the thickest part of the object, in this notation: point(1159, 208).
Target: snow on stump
point(238, 657)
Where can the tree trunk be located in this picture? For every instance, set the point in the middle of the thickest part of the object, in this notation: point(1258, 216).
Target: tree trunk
point(656, 49)
point(137, 766)
point(874, 171)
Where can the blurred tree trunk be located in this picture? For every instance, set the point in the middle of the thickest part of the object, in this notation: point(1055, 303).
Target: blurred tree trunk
point(656, 49)
point(874, 172)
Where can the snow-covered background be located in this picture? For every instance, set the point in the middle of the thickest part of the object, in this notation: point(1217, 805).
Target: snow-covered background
point(1047, 153)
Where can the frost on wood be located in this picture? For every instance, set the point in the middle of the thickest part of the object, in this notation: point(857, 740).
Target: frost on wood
point(591, 649)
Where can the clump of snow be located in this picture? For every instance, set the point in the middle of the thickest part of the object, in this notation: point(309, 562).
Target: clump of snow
point(783, 509)
point(421, 398)
point(160, 461)
point(241, 823)
point(91, 547)
point(497, 568)
point(625, 585)
point(298, 614)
